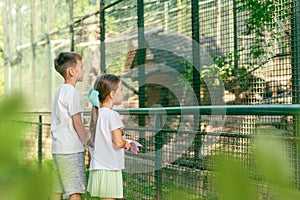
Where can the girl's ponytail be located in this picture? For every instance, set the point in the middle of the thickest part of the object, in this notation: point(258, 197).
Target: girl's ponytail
point(93, 123)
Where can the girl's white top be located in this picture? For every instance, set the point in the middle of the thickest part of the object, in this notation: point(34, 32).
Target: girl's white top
point(67, 102)
point(105, 154)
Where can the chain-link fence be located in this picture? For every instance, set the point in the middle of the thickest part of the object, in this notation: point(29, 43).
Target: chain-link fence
point(245, 52)
point(178, 162)
point(168, 53)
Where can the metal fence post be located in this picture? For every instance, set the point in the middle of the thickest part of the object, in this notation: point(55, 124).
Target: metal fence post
point(235, 38)
point(102, 37)
point(158, 158)
point(40, 144)
point(141, 56)
point(196, 70)
point(295, 14)
point(196, 49)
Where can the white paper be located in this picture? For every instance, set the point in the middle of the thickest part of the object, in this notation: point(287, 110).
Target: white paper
point(134, 146)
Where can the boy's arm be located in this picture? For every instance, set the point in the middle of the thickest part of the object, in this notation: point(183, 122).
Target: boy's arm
point(79, 128)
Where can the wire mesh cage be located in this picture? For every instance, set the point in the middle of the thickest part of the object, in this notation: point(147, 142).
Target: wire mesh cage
point(169, 53)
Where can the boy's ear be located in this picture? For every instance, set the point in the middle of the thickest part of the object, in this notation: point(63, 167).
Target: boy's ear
point(71, 71)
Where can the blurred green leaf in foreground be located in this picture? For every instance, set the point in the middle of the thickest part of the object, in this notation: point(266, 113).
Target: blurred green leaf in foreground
point(269, 173)
point(18, 180)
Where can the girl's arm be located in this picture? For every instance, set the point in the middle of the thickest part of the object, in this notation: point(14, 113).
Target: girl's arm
point(118, 139)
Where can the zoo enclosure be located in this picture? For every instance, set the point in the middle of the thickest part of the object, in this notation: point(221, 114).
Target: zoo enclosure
point(170, 159)
point(252, 46)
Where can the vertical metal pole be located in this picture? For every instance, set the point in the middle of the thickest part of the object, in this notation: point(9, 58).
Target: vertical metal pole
point(49, 71)
point(50, 19)
point(33, 50)
point(6, 43)
point(196, 49)
point(40, 144)
point(141, 53)
point(295, 50)
point(235, 43)
point(196, 71)
point(295, 14)
point(19, 42)
point(102, 37)
point(158, 158)
point(72, 25)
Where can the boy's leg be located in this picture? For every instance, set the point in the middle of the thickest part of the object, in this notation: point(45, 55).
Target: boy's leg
point(73, 174)
point(57, 193)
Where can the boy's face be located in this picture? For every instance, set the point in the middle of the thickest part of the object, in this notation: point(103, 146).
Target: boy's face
point(118, 95)
point(79, 71)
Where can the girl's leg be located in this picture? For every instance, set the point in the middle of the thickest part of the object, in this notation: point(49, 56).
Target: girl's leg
point(76, 196)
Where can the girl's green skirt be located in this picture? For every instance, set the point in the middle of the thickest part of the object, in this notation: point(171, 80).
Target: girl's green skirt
point(105, 183)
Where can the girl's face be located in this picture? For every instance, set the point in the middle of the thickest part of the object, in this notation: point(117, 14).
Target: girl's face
point(118, 95)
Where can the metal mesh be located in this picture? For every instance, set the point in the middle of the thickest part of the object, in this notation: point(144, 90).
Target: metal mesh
point(169, 53)
point(254, 58)
point(178, 164)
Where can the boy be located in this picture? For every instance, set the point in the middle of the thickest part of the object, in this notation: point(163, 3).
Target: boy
point(69, 136)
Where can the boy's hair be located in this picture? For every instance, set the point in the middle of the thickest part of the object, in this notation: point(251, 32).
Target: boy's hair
point(104, 85)
point(64, 60)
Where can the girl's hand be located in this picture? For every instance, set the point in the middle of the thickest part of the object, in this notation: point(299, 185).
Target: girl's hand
point(127, 145)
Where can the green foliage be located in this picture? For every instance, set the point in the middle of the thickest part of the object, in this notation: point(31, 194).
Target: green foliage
point(18, 180)
point(266, 23)
point(223, 70)
point(270, 170)
point(1, 85)
point(132, 184)
point(226, 66)
point(259, 21)
point(178, 193)
point(232, 180)
point(264, 18)
point(260, 13)
point(229, 74)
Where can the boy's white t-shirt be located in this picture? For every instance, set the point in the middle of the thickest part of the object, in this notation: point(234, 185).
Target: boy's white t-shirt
point(67, 102)
point(105, 154)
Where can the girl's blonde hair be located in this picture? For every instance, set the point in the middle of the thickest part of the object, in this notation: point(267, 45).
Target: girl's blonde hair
point(104, 85)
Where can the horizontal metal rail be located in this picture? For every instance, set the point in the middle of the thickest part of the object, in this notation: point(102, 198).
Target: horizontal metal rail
point(278, 109)
point(159, 113)
point(282, 109)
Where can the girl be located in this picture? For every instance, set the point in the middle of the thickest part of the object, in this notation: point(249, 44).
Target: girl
point(106, 142)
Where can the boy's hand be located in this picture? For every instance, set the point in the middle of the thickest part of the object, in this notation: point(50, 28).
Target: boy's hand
point(88, 159)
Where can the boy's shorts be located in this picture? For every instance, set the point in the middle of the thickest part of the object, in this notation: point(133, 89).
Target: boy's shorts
point(69, 176)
